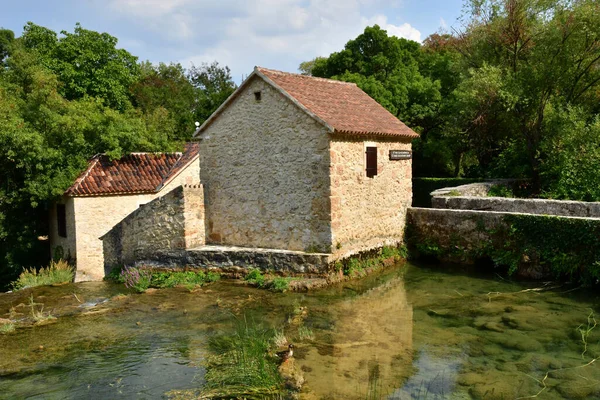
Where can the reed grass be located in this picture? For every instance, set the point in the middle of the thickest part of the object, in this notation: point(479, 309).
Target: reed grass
point(56, 273)
point(242, 366)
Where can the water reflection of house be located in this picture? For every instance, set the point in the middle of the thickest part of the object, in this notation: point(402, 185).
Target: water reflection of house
point(288, 162)
point(369, 350)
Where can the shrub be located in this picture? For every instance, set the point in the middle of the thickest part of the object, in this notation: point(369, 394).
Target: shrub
point(136, 278)
point(255, 277)
point(280, 284)
point(500, 191)
point(56, 273)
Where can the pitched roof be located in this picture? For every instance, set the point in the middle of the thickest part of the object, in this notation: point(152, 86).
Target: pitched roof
point(135, 173)
point(342, 107)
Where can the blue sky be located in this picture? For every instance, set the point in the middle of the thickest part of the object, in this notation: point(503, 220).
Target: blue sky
point(276, 34)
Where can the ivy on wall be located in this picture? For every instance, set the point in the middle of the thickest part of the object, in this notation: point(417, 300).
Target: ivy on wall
point(566, 248)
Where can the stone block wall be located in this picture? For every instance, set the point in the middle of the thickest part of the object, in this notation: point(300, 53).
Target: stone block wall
point(67, 245)
point(170, 222)
point(265, 165)
point(528, 206)
point(367, 212)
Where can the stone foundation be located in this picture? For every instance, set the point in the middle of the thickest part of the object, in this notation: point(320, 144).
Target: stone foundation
point(232, 259)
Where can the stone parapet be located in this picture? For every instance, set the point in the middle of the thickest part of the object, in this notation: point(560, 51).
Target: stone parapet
point(527, 206)
point(174, 221)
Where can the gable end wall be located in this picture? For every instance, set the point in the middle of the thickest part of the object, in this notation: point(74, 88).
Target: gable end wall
point(264, 166)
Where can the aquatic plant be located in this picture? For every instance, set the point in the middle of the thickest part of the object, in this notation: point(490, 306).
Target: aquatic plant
point(38, 315)
point(56, 273)
point(357, 265)
point(280, 284)
point(305, 333)
point(585, 331)
point(241, 366)
point(189, 279)
point(255, 277)
point(7, 327)
point(136, 278)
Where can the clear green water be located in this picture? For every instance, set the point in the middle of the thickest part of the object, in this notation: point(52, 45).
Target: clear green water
point(406, 333)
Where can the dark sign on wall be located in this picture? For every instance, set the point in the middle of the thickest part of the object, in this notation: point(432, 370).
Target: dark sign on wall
point(400, 155)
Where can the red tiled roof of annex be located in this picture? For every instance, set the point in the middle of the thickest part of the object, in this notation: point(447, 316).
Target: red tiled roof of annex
point(133, 174)
point(342, 105)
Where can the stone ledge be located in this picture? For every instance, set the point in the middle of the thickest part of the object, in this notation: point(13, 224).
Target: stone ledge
point(566, 208)
point(226, 257)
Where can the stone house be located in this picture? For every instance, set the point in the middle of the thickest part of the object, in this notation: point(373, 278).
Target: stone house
point(105, 193)
point(302, 163)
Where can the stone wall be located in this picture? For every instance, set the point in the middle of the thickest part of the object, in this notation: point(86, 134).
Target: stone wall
point(528, 206)
point(67, 245)
point(464, 228)
point(532, 245)
point(95, 216)
point(367, 212)
point(264, 165)
point(170, 222)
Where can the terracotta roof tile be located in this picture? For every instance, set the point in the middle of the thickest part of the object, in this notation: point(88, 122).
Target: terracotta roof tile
point(341, 105)
point(134, 173)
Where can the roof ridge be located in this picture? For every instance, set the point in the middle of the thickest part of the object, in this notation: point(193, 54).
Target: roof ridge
point(316, 78)
point(176, 168)
point(79, 180)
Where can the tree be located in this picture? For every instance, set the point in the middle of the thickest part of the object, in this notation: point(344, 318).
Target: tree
point(544, 54)
point(213, 85)
point(46, 141)
point(167, 87)
point(6, 38)
point(87, 63)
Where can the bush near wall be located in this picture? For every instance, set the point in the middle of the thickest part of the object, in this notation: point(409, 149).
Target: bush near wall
point(422, 187)
point(566, 249)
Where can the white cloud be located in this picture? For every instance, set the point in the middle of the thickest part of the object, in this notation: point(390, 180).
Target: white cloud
point(243, 33)
point(402, 31)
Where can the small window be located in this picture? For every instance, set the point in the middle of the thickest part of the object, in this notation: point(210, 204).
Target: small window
point(61, 219)
point(371, 161)
point(257, 96)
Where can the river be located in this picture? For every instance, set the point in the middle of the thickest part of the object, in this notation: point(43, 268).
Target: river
point(408, 332)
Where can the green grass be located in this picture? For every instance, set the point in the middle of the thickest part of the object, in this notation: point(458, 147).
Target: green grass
point(141, 278)
point(255, 277)
point(188, 279)
point(357, 265)
point(7, 328)
point(241, 366)
point(57, 272)
point(279, 284)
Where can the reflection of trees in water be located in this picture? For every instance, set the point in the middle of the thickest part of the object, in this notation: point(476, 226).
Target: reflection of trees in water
point(368, 351)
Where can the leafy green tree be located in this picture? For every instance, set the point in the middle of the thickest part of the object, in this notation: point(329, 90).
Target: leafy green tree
point(6, 38)
point(46, 141)
point(87, 63)
point(167, 87)
point(543, 54)
point(213, 85)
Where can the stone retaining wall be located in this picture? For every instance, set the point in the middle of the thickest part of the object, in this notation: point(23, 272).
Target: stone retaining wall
point(527, 206)
point(233, 260)
point(174, 221)
point(532, 245)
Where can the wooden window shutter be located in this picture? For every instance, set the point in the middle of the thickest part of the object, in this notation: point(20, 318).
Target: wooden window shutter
point(61, 220)
point(371, 161)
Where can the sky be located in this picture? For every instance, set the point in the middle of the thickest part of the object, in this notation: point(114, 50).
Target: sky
point(277, 34)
